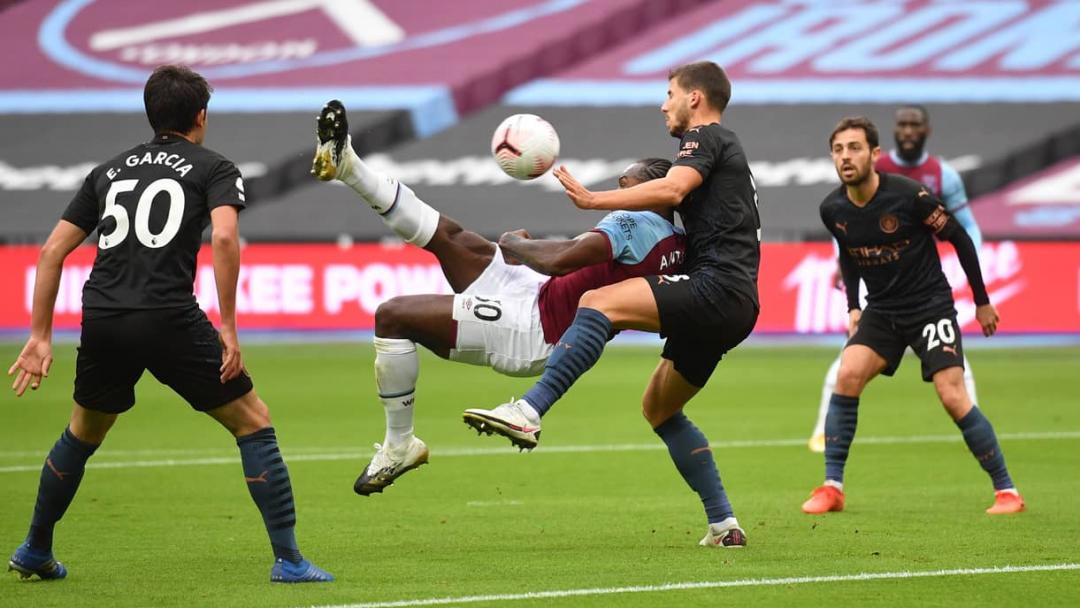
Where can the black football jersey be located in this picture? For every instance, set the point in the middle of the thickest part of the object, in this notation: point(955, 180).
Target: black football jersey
point(150, 205)
point(723, 229)
point(891, 242)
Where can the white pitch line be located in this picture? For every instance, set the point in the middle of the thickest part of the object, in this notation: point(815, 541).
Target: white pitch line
point(750, 582)
point(503, 451)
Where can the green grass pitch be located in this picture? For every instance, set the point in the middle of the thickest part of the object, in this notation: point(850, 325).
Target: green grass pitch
point(164, 519)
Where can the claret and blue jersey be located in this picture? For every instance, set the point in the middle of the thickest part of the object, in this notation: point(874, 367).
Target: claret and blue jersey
point(641, 243)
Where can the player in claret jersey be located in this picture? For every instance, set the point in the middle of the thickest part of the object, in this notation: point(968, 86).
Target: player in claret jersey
point(512, 299)
point(885, 226)
point(704, 312)
point(910, 159)
point(150, 205)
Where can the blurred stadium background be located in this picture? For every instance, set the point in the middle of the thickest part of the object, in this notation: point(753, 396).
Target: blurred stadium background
point(426, 87)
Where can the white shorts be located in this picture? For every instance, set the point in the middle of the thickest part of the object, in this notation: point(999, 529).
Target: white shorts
point(498, 320)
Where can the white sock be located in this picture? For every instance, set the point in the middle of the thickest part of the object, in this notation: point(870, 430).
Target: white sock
point(411, 218)
point(725, 524)
point(827, 391)
point(836, 484)
point(969, 381)
point(396, 369)
point(529, 411)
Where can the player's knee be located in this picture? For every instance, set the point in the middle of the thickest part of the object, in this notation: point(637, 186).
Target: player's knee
point(390, 318)
point(595, 299)
point(850, 381)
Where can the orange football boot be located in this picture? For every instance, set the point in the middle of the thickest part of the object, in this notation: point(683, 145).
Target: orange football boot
point(1006, 502)
point(823, 500)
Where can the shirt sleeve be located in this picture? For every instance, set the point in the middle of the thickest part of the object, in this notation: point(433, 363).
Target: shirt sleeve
point(83, 208)
point(956, 201)
point(697, 150)
point(225, 186)
point(633, 235)
point(930, 211)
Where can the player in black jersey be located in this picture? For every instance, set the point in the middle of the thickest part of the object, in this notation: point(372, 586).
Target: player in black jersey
point(885, 225)
point(703, 313)
point(150, 205)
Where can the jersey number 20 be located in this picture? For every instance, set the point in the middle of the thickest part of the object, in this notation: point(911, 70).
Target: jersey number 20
point(175, 193)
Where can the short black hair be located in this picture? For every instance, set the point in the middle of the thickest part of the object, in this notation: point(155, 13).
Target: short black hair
point(648, 168)
point(856, 122)
point(174, 95)
point(706, 77)
point(918, 107)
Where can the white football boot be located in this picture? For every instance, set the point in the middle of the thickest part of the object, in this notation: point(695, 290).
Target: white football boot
point(514, 420)
point(389, 464)
point(724, 535)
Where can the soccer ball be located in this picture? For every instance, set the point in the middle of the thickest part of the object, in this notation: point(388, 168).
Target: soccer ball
point(525, 146)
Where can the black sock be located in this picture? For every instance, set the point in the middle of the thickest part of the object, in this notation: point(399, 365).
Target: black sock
point(60, 479)
point(693, 457)
point(982, 441)
point(268, 482)
point(840, 425)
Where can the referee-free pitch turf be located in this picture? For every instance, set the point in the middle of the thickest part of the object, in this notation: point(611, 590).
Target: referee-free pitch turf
point(597, 514)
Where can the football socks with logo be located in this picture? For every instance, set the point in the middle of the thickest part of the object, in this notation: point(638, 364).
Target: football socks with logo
point(396, 369)
point(693, 458)
point(409, 217)
point(981, 440)
point(578, 349)
point(839, 431)
point(60, 477)
point(268, 482)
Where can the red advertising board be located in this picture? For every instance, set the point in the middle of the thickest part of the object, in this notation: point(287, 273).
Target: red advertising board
point(1035, 286)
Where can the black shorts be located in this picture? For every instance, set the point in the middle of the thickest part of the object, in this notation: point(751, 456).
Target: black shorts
point(935, 339)
point(699, 329)
point(178, 345)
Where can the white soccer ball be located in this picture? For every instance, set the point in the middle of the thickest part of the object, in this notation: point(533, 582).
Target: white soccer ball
point(525, 146)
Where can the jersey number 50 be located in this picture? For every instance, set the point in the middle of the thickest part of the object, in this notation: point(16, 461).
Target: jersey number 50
point(170, 187)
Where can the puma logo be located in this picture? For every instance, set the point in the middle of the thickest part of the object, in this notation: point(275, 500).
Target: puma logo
point(52, 467)
point(260, 479)
point(842, 227)
point(923, 193)
point(949, 350)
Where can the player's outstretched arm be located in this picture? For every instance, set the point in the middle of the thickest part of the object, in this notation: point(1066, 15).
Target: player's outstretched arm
point(36, 357)
point(225, 241)
point(555, 257)
point(668, 191)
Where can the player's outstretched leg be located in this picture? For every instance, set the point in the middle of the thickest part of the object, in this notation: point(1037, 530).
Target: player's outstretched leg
point(59, 481)
point(267, 478)
point(408, 216)
point(462, 254)
point(980, 439)
point(578, 349)
point(817, 438)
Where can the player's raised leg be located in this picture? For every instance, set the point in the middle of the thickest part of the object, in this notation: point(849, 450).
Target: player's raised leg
point(60, 478)
point(626, 305)
point(858, 365)
point(662, 405)
point(817, 438)
point(980, 438)
point(400, 324)
point(267, 477)
point(462, 254)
